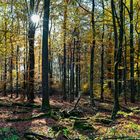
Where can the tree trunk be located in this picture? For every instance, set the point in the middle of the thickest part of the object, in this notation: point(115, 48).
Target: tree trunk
point(132, 54)
point(11, 68)
point(64, 55)
point(138, 67)
point(72, 73)
point(125, 72)
point(125, 62)
point(102, 58)
point(116, 56)
point(5, 60)
point(92, 56)
point(11, 57)
point(17, 55)
point(31, 36)
point(121, 33)
point(45, 60)
point(77, 68)
point(26, 65)
point(109, 63)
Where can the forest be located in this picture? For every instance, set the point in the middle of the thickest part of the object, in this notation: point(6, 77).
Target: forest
point(69, 69)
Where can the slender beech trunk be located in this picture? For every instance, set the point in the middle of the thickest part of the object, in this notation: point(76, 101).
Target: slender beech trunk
point(138, 56)
point(11, 55)
point(125, 71)
point(125, 62)
point(31, 36)
point(92, 56)
point(50, 60)
point(109, 62)
point(45, 60)
point(77, 69)
point(17, 74)
point(132, 54)
point(116, 100)
point(11, 69)
point(5, 74)
point(121, 35)
point(72, 73)
point(5, 60)
point(68, 70)
point(64, 52)
point(102, 57)
point(39, 60)
point(138, 66)
point(26, 64)
point(39, 67)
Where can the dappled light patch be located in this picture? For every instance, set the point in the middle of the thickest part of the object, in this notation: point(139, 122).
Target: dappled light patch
point(30, 120)
point(69, 69)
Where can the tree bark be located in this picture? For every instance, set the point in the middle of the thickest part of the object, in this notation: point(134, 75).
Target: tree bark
point(102, 58)
point(45, 60)
point(17, 77)
point(116, 62)
point(31, 36)
point(64, 51)
point(92, 56)
point(132, 53)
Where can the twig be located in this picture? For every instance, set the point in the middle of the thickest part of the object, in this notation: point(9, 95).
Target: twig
point(76, 103)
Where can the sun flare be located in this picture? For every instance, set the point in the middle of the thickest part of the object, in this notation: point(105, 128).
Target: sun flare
point(35, 18)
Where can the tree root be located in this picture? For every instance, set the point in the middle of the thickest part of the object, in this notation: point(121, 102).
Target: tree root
point(4, 105)
point(104, 121)
point(20, 105)
point(125, 109)
point(26, 105)
point(35, 136)
point(30, 118)
point(116, 138)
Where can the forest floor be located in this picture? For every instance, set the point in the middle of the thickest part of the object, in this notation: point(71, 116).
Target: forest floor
point(22, 121)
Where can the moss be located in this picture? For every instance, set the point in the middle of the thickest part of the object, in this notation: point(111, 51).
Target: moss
point(82, 125)
point(9, 134)
point(104, 120)
point(5, 105)
point(73, 113)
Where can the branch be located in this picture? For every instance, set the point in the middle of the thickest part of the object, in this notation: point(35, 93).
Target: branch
point(27, 8)
point(136, 26)
point(83, 7)
point(126, 8)
point(37, 6)
point(77, 102)
point(117, 16)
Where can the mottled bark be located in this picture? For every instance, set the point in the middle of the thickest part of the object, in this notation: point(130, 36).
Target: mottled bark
point(45, 60)
point(132, 53)
point(92, 56)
